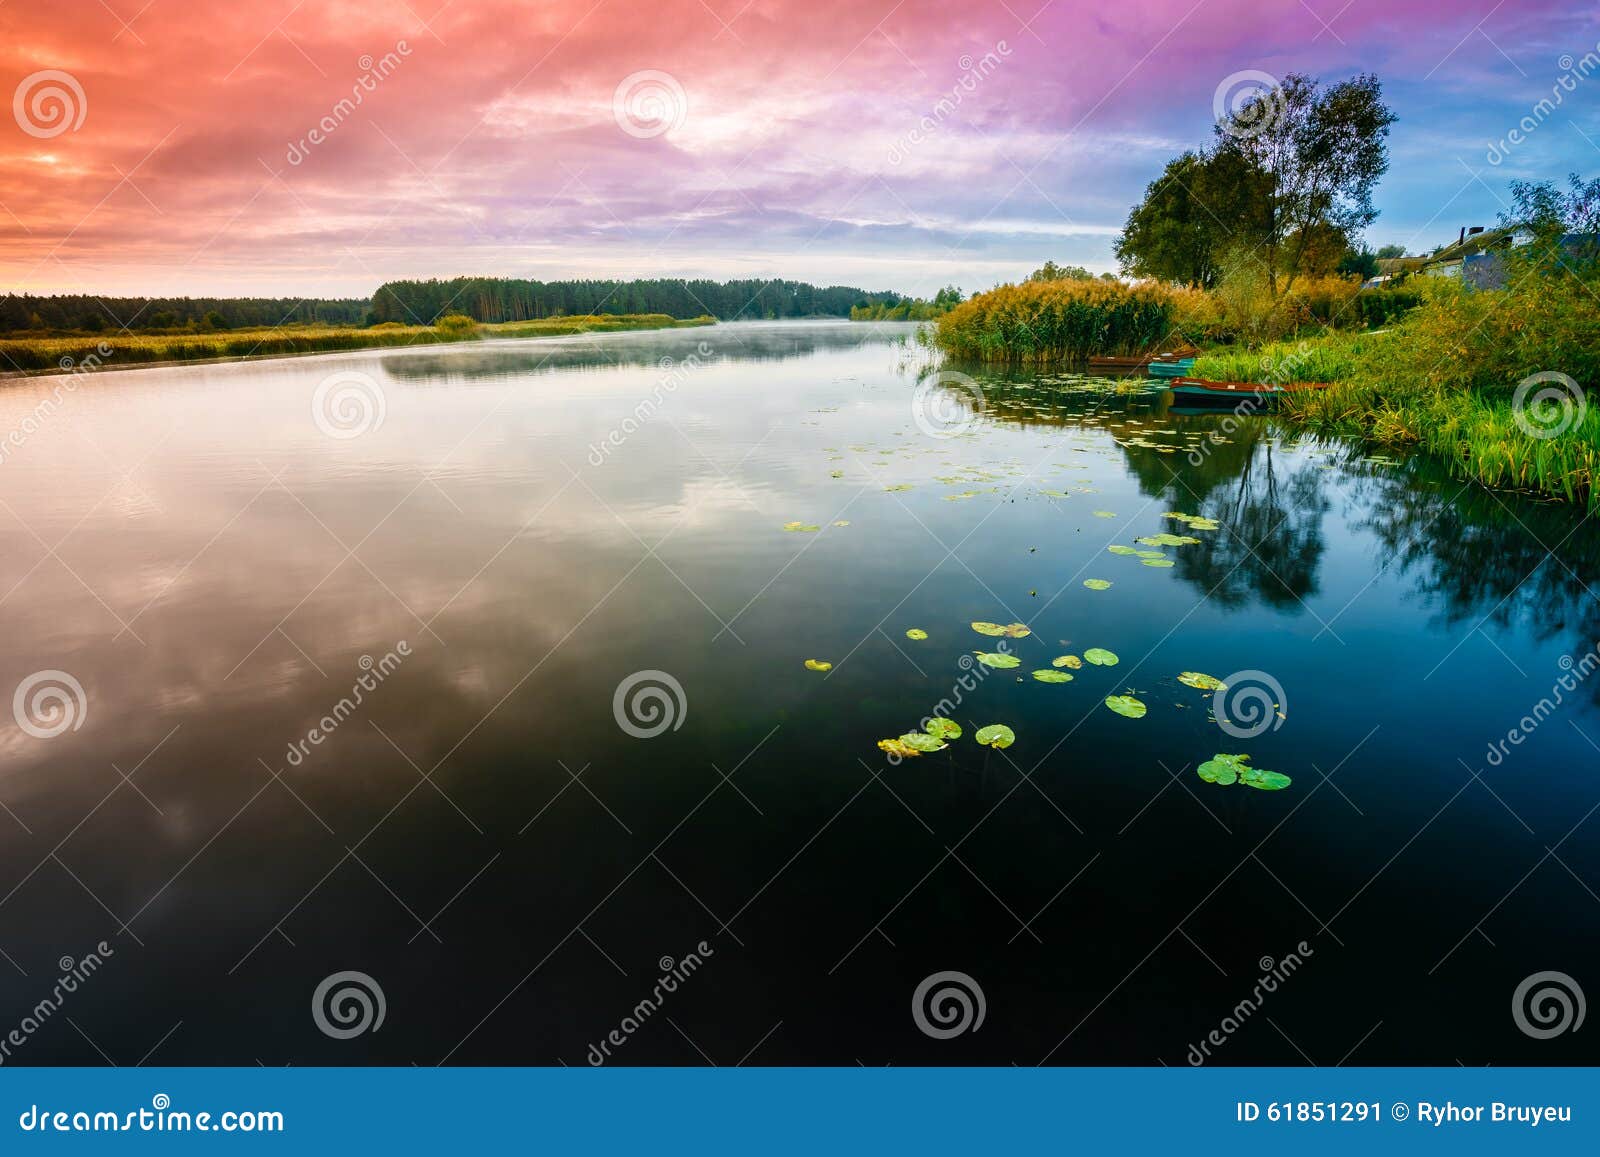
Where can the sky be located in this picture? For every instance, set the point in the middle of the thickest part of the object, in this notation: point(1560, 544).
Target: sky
point(321, 147)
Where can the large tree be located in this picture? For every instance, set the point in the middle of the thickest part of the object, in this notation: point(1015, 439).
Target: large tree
point(1287, 182)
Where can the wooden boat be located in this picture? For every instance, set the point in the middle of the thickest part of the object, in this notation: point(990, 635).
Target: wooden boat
point(1191, 391)
point(1142, 361)
point(1172, 369)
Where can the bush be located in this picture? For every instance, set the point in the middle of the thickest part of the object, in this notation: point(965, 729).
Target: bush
point(456, 325)
point(1052, 321)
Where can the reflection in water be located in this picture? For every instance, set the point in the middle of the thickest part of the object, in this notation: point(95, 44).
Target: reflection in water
point(478, 834)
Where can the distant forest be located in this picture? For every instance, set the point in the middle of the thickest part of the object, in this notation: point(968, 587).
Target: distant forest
point(87, 312)
point(492, 299)
point(487, 299)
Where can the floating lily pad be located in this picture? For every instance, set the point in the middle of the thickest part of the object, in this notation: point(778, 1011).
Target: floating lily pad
point(1055, 493)
point(836, 474)
point(1101, 657)
point(1126, 705)
point(917, 633)
point(1051, 675)
point(1009, 630)
point(1120, 549)
point(842, 522)
point(1150, 554)
point(897, 486)
point(1156, 562)
point(1201, 682)
point(942, 728)
point(818, 665)
point(922, 741)
point(1227, 770)
point(897, 748)
point(998, 659)
point(801, 527)
point(1097, 584)
point(1105, 514)
point(1165, 539)
point(996, 735)
point(1067, 661)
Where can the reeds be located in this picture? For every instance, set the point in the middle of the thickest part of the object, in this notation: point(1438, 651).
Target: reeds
point(1057, 321)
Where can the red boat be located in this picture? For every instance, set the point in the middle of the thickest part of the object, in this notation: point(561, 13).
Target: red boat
point(1191, 390)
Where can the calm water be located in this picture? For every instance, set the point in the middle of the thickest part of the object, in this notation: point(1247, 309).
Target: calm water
point(482, 839)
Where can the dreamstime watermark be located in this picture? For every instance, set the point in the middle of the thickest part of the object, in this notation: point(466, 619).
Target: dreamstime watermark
point(1548, 1004)
point(1250, 703)
point(45, 409)
point(647, 703)
point(49, 703)
point(674, 374)
point(348, 1004)
point(374, 673)
point(673, 974)
point(972, 674)
point(1276, 371)
point(947, 404)
point(948, 1004)
point(48, 103)
point(1577, 670)
point(347, 404)
point(1273, 974)
point(373, 73)
point(649, 103)
point(973, 74)
point(1573, 73)
point(1248, 103)
point(1548, 404)
point(73, 974)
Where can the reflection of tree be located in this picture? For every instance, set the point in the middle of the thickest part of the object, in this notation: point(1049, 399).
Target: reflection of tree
point(1271, 542)
point(1483, 558)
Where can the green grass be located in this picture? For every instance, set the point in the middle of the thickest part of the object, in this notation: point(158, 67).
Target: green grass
point(57, 352)
point(1043, 322)
point(1329, 358)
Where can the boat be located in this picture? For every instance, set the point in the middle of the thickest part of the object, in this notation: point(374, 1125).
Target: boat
point(1170, 369)
point(1192, 391)
point(1183, 358)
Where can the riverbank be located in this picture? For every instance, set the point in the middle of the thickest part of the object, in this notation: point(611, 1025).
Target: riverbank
point(60, 353)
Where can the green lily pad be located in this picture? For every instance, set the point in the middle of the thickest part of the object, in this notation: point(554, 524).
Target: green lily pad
point(1201, 682)
point(801, 527)
point(998, 659)
point(1067, 661)
point(996, 735)
point(942, 728)
point(818, 665)
point(1263, 780)
point(836, 474)
point(1165, 539)
point(1009, 630)
point(898, 748)
point(1051, 675)
point(1157, 562)
point(1120, 549)
point(1126, 705)
point(1223, 769)
point(1101, 657)
point(1150, 553)
point(1105, 514)
point(917, 633)
point(842, 522)
point(1097, 584)
point(897, 486)
point(922, 741)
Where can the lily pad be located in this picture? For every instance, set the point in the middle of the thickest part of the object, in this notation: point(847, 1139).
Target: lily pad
point(1201, 682)
point(1165, 539)
point(1230, 769)
point(836, 474)
point(917, 633)
point(1126, 705)
point(897, 486)
point(1097, 584)
point(922, 741)
point(1120, 549)
point(942, 728)
point(842, 522)
point(1105, 514)
point(801, 527)
point(818, 665)
point(1156, 562)
point(1067, 661)
point(996, 735)
point(897, 748)
point(1051, 675)
point(1101, 657)
point(998, 659)
point(1009, 630)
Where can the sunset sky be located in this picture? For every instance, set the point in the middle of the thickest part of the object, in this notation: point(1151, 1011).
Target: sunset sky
point(495, 143)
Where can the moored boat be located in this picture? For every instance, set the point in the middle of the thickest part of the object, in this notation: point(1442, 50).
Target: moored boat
point(1191, 391)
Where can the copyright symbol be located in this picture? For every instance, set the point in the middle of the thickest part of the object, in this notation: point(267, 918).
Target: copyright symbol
point(1400, 1111)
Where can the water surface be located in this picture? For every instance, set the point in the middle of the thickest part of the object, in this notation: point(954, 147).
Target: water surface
point(532, 524)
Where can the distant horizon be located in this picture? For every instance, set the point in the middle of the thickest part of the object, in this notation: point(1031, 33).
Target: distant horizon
point(323, 152)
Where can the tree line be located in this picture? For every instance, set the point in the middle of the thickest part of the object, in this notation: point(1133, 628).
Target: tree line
point(496, 299)
point(93, 314)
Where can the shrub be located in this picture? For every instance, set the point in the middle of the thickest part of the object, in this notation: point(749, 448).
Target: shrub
point(1051, 321)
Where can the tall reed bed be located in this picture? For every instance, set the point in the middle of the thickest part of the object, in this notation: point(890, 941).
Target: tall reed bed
point(1057, 321)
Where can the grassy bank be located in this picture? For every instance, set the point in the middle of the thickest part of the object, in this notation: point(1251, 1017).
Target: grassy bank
point(45, 353)
point(1040, 322)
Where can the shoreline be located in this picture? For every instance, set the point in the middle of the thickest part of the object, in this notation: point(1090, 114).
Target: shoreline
point(76, 355)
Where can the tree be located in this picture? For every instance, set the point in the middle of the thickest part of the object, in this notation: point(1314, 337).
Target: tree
point(1189, 216)
point(1360, 261)
point(1320, 153)
point(1390, 251)
point(1050, 271)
